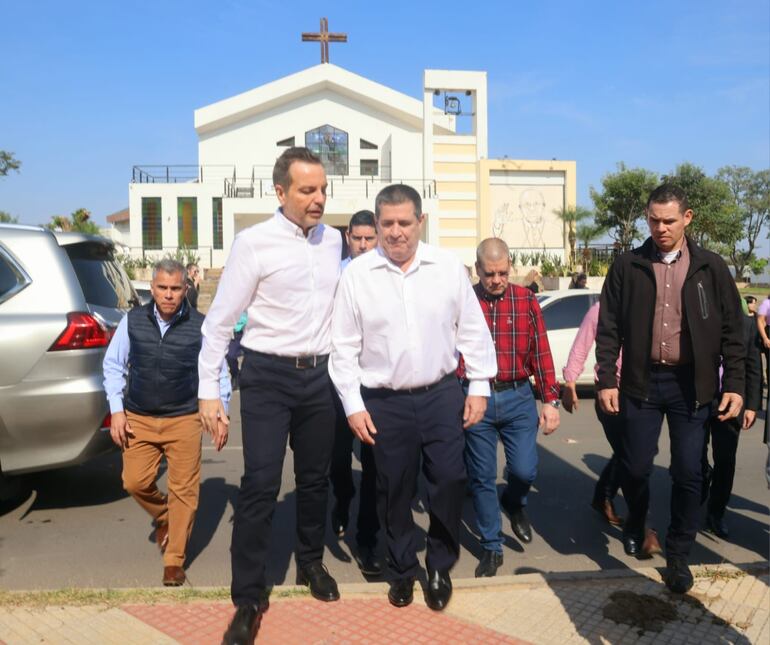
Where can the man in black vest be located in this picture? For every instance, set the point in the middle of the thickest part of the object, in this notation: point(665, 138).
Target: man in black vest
point(156, 346)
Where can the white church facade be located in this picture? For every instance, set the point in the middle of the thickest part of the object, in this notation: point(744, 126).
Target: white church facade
point(367, 136)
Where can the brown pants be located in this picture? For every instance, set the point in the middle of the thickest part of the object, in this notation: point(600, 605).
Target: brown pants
point(179, 439)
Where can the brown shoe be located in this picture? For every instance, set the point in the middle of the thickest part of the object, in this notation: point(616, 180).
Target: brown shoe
point(651, 545)
point(606, 509)
point(173, 576)
point(161, 536)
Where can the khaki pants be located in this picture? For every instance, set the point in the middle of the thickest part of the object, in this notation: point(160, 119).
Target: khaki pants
point(179, 439)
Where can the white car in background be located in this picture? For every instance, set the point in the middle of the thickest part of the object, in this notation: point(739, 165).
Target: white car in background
point(563, 311)
point(142, 288)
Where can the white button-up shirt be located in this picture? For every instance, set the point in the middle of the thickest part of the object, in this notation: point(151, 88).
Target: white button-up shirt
point(285, 282)
point(399, 330)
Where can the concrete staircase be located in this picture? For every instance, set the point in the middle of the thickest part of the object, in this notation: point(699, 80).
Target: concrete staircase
point(208, 288)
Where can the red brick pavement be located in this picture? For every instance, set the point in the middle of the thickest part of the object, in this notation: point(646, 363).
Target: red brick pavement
point(304, 622)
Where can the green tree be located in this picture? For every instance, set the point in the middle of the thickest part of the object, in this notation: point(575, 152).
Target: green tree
point(79, 221)
point(751, 191)
point(716, 220)
point(571, 215)
point(8, 162)
point(7, 218)
point(621, 203)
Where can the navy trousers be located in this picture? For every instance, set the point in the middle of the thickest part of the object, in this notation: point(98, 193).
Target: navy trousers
point(412, 426)
point(610, 478)
point(280, 402)
point(341, 477)
point(670, 394)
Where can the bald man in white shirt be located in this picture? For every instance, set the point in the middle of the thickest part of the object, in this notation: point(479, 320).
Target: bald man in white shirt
point(283, 273)
point(401, 315)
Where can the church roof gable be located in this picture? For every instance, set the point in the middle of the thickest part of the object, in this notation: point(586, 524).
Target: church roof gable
point(309, 81)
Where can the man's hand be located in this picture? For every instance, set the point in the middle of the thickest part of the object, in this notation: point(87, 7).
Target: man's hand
point(362, 426)
point(730, 406)
point(749, 417)
point(549, 418)
point(569, 397)
point(214, 420)
point(120, 431)
point(609, 400)
point(475, 407)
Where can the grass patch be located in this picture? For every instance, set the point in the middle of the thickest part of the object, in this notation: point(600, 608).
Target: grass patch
point(115, 597)
point(718, 573)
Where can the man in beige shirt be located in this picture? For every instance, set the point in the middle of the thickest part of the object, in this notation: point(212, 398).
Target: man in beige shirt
point(673, 309)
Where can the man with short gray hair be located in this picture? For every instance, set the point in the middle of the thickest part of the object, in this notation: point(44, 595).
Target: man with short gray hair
point(151, 381)
point(401, 314)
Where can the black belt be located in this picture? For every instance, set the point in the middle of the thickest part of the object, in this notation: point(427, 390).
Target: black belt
point(298, 362)
point(414, 390)
point(500, 386)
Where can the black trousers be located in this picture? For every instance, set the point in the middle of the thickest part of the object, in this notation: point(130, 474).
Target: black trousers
point(610, 478)
point(341, 478)
point(670, 394)
point(412, 426)
point(724, 446)
point(280, 402)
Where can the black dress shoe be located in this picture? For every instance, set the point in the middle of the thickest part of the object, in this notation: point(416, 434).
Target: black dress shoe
point(490, 562)
point(678, 577)
point(368, 561)
point(339, 519)
point(632, 544)
point(243, 627)
point(520, 525)
point(439, 590)
point(322, 585)
point(401, 592)
point(717, 526)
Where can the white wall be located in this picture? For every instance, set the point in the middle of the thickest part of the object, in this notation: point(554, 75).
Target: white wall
point(253, 141)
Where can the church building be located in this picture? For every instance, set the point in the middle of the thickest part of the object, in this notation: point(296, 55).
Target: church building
point(368, 136)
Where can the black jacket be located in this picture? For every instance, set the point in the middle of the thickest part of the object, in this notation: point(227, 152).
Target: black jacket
point(711, 311)
point(163, 372)
point(753, 398)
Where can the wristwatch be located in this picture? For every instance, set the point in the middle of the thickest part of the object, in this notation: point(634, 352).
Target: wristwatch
point(555, 403)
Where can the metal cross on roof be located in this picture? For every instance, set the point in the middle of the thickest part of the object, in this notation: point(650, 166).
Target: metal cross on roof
point(324, 37)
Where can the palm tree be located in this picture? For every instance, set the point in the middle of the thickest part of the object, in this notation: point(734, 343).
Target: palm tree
point(571, 215)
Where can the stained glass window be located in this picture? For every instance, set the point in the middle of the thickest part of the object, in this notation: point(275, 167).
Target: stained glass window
point(152, 230)
point(187, 210)
point(217, 222)
point(331, 145)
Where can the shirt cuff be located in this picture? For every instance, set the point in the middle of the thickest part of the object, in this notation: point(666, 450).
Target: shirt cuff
point(116, 404)
point(208, 391)
point(478, 387)
point(353, 403)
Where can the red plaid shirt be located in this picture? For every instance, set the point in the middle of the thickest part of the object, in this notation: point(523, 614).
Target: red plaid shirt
point(521, 344)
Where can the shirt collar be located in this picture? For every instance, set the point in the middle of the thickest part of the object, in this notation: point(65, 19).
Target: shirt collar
point(177, 315)
point(286, 224)
point(425, 254)
point(681, 253)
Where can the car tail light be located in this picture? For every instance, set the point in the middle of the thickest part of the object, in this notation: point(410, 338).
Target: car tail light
point(83, 332)
point(106, 423)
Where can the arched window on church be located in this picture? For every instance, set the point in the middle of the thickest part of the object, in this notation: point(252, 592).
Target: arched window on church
point(331, 145)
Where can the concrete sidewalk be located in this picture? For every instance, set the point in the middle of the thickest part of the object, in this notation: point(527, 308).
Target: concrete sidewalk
point(728, 604)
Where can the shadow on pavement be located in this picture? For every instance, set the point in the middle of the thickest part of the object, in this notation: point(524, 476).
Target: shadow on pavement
point(96, 482)
point(216, 496)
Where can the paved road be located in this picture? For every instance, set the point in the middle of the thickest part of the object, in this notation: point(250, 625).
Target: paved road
point(76, 526)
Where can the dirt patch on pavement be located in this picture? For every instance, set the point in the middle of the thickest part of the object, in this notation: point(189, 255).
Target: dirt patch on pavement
point(648, 613)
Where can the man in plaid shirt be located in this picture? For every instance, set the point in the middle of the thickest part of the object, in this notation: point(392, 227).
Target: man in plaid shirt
point(519, 334)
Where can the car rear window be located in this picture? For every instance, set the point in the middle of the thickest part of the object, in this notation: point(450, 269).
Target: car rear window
point(103, 280)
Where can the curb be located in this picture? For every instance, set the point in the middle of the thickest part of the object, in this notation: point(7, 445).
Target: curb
point(359, 589)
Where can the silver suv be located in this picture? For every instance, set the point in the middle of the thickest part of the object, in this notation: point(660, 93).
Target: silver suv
point(61, 297)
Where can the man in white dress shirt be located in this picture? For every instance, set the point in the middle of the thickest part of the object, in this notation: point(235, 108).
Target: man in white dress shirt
point(283, 272)
point(401, 315)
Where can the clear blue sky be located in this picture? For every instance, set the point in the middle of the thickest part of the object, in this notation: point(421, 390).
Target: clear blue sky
point(88, 89)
